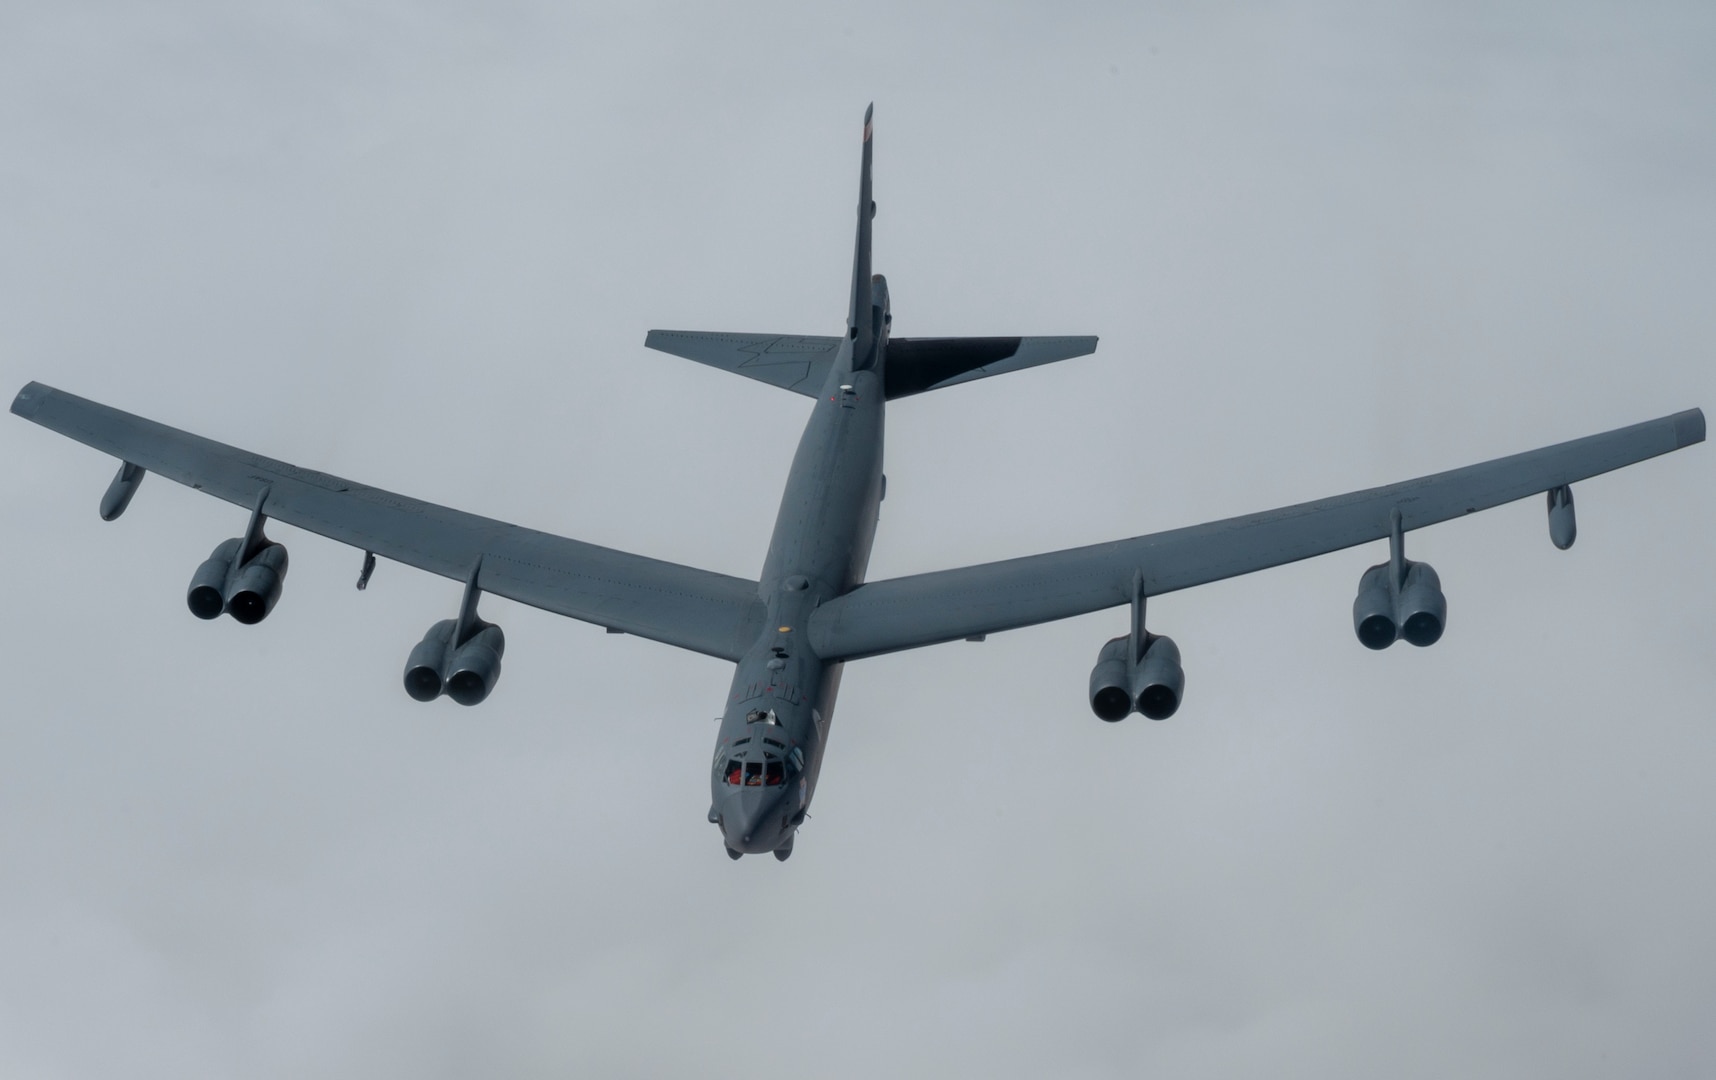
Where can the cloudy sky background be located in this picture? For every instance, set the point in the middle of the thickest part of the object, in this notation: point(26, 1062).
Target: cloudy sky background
point(1325, 246)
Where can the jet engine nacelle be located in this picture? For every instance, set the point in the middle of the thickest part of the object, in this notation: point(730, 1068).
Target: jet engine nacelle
point(476, 666)
point(1153, 686)
point(255, 588)
point(247, 591)
point(425, 668)
point(467, 672)
point(1111, 682)
point(1423, 608)
point(1417, 612)
point(1159, 681)
point(207, 594)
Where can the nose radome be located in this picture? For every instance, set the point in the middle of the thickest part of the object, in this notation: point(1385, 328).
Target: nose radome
point(750, 821)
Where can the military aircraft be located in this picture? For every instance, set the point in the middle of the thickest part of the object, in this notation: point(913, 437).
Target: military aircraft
point(791, 631)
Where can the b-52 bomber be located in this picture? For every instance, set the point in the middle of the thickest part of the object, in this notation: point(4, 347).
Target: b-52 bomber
point(790, 632)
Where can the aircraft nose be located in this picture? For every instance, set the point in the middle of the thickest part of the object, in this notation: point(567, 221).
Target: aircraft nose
point(751, 821)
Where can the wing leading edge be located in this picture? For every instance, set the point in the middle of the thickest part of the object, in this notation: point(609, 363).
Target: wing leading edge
point(679, 605)
point(946, 605)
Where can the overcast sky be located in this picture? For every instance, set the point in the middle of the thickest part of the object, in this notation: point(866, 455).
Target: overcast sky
point(1325, 247)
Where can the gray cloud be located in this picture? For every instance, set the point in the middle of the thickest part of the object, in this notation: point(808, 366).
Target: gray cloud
point(1326, 247)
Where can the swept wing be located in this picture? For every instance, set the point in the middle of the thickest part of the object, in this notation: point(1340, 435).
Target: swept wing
point(903, 613)
point(694, 609)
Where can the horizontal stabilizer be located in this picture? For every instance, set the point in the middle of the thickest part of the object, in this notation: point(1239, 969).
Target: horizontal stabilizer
point(919, 364)
point(791, 363)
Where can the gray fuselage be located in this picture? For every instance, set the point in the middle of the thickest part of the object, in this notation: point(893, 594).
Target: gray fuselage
point(775, 725)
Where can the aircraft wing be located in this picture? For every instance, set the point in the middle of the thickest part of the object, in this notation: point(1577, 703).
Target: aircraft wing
point(904, 613)
point(791, 362)
point(694, 609)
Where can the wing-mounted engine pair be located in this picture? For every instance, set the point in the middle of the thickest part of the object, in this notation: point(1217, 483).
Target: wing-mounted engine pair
point(1139, 672)
point(1402, 600)
point(459, 657)
point(1399, 600)
point(242, 577)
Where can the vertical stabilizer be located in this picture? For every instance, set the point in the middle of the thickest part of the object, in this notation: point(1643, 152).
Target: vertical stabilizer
point(859, 325)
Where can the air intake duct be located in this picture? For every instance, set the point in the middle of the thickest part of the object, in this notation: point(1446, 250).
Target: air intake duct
point(1416, 611)
point(247, 591)
point(1111, 683)
point(1153, 686)
point(1159, 681)
point(466, 672)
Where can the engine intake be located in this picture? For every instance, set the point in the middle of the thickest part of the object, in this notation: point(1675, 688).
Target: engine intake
point(1416, 611)
point(476, 666)
point(207, 594)
point(1110, 683)
point(1423, 608)
point(466, 672)
point(247, 591)
point(424, 678)
point(1153, 686)
point(1160, 681)
point(255, 589)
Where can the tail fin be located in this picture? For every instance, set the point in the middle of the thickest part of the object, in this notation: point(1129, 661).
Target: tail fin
point(859, 324)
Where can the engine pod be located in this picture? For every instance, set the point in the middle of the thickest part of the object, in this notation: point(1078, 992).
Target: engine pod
point(1423, 608)
point(1373, 610)
point(1110, 693)
point(255, 589)
point(425, 667)
point(206, 596)
point(1160, 680)
point(475, 667)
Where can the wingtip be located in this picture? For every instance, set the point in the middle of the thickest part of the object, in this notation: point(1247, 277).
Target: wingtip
point(1688, 428)
point(869, 112)
point(29, 399)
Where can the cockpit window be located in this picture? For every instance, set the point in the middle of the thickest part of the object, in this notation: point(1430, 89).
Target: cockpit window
point(732, 772)
point(776, 773)
point(753, 773)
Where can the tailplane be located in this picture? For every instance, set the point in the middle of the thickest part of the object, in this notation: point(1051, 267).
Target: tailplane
point(791, 362)
point(914, 365)
point(910, 365)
